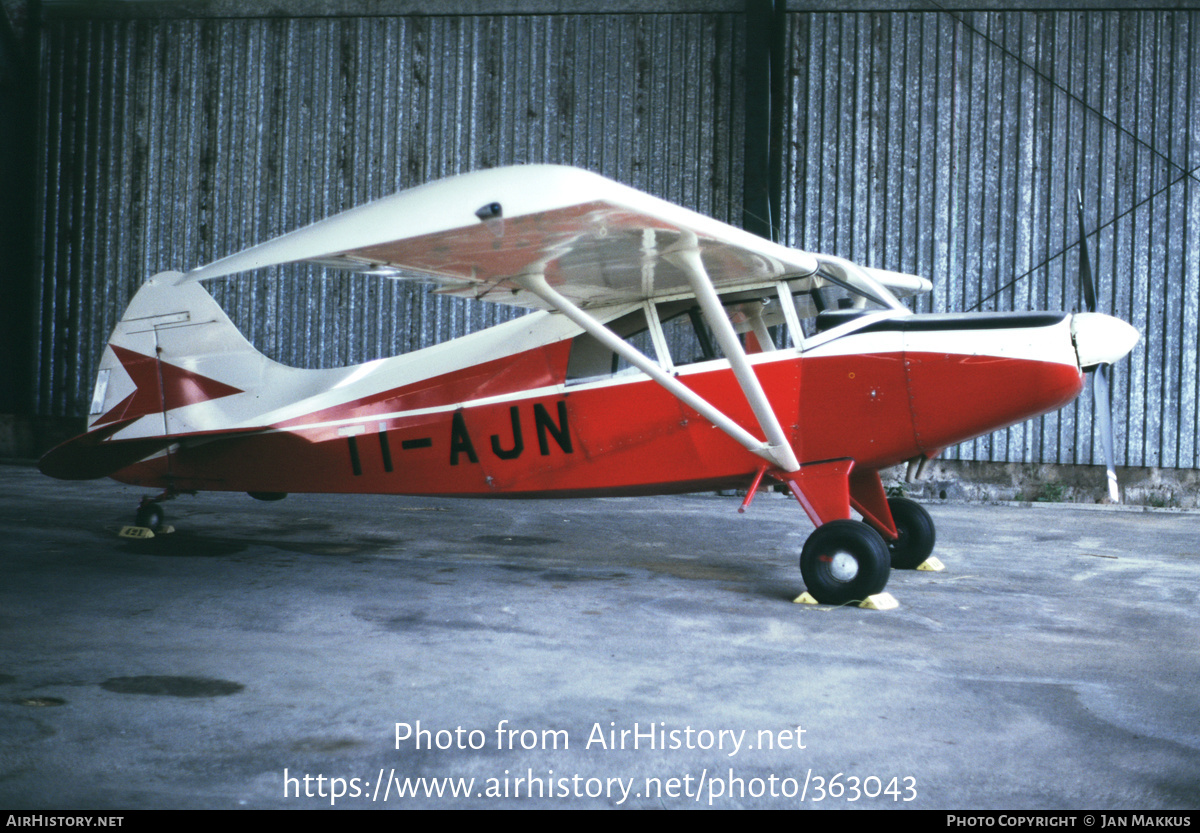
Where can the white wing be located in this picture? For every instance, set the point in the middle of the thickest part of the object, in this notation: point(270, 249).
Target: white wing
point(596, 241)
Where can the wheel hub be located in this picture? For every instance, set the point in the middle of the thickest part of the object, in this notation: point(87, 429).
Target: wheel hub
point(843, 566)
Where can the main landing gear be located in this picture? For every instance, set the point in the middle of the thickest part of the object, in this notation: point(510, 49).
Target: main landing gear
point(846, 561)
point(917, 535)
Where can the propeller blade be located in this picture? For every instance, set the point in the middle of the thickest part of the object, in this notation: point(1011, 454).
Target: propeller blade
point(1085, 264)
point(1101, 381)
point(1102, 393)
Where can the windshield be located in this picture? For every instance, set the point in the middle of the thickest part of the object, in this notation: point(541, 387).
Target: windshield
point(845, 285)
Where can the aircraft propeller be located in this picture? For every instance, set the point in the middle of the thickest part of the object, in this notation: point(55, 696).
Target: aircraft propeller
point(1101, 373)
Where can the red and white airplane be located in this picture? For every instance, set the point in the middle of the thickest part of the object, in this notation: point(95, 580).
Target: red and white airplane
point(667, 352)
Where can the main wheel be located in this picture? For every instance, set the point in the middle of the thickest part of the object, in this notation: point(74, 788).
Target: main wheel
point(151, 516)
point(844, 561)
point(917, 535)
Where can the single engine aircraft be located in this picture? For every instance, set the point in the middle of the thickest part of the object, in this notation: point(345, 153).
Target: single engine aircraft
point(665, 352)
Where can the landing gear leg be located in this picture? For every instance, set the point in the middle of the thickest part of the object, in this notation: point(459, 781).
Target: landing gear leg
point(844, 561)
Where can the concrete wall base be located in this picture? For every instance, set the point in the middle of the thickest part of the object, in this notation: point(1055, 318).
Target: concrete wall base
point(977, 481)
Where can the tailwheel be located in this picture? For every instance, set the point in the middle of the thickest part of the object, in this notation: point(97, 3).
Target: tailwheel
point(917, 534)
point(844, 561)
point(151, 516)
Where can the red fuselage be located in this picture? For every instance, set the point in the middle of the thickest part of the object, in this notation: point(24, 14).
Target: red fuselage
point(515, 427)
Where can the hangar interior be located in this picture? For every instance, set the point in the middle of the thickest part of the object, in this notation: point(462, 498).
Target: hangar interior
point(927, 137)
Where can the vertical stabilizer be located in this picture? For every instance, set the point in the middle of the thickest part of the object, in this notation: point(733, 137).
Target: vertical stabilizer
point(174, 364)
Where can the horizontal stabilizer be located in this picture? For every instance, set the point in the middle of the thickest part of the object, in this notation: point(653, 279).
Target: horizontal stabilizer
point(93, 455)
point(88, 456)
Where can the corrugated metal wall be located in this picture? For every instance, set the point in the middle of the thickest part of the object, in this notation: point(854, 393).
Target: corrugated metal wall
point(953, 144)
point(172, 143)
point(947, 144)
point(18, 186)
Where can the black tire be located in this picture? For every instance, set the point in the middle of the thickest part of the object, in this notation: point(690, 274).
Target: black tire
point(917, 534)
point(844, 561)
point(151, 516)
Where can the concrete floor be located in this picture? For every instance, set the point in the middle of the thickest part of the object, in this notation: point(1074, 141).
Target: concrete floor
point(1053, 665)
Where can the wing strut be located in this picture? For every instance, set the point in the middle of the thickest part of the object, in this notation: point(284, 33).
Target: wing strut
point(687, 258)
point(538, 286)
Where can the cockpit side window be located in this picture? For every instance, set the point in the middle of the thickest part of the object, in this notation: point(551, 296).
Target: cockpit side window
point(687, 334)
point(687, 339)
point(590, 359)
point(767, 317)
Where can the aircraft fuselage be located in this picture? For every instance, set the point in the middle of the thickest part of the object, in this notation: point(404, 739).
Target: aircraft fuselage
point(877, 395)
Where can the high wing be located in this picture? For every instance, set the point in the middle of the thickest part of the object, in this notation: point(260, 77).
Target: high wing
point(541, 236)
point(571, 241)
point(595, 241)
